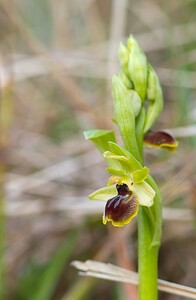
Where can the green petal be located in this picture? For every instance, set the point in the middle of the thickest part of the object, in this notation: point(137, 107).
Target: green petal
point(104, 193)
point(140, 175)
point(133, 162)
point(145, 193)
point(122, 160)
point(114, 171)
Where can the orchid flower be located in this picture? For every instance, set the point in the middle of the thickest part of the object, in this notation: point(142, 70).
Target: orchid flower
point(125, 191)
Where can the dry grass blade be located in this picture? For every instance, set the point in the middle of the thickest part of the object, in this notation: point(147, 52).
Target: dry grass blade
point(114, 273)
point(53, 172)
point(186, 131)
point(77, 65)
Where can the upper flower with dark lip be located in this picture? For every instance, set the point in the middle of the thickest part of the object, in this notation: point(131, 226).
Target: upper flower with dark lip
point(161, 139)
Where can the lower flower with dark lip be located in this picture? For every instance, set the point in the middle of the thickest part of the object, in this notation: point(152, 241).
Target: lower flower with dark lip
point(122, 208)
point(125, 196)
point(126, 189)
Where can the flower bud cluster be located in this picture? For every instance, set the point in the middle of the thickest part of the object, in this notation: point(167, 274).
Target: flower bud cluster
point(138, 76)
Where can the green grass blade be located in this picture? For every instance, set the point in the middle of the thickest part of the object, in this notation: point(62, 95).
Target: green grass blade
point(51, 275)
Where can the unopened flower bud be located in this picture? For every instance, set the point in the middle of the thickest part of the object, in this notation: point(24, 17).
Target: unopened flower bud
point(123, 56)
point(135, 101)
point(125, 80)
point(137, 68)
point(154, 94)
point(152, 83)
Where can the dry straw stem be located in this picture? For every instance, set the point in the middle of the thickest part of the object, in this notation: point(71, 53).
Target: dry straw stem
point(114, 273)
point(68, 85)
point(117, 28)
point(54, 172)
point(33, 66)
point(5, 121)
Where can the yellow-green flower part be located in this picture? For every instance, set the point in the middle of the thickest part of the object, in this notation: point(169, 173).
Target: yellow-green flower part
point(123, 196)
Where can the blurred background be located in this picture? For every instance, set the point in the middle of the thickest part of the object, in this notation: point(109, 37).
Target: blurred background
point(56, 63)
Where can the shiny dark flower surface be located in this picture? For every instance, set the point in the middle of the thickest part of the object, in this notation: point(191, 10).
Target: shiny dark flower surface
point(161, 139)
point(121, 208)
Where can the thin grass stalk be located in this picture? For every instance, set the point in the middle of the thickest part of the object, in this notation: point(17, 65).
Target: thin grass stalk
point(5, 118)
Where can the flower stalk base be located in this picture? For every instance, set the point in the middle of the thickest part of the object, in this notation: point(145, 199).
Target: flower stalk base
point(147, 259)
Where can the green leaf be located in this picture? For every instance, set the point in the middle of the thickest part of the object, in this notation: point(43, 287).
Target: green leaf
point(140, 175)
point(100, 138)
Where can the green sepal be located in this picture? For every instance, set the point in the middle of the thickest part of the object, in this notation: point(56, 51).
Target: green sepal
point(140, 175)
point(104, 193)
point(156, 211)
point(124, 114)
point(140, 120)
point(100, 138)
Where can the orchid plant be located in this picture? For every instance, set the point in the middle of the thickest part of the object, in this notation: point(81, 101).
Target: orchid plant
point(131, 190)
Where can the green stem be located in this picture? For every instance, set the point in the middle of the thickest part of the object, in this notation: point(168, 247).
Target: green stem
point(149, 237)
point(147, 258)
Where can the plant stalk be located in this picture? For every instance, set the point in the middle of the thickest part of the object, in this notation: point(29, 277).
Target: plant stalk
point(147, 259)
point(149, 234)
